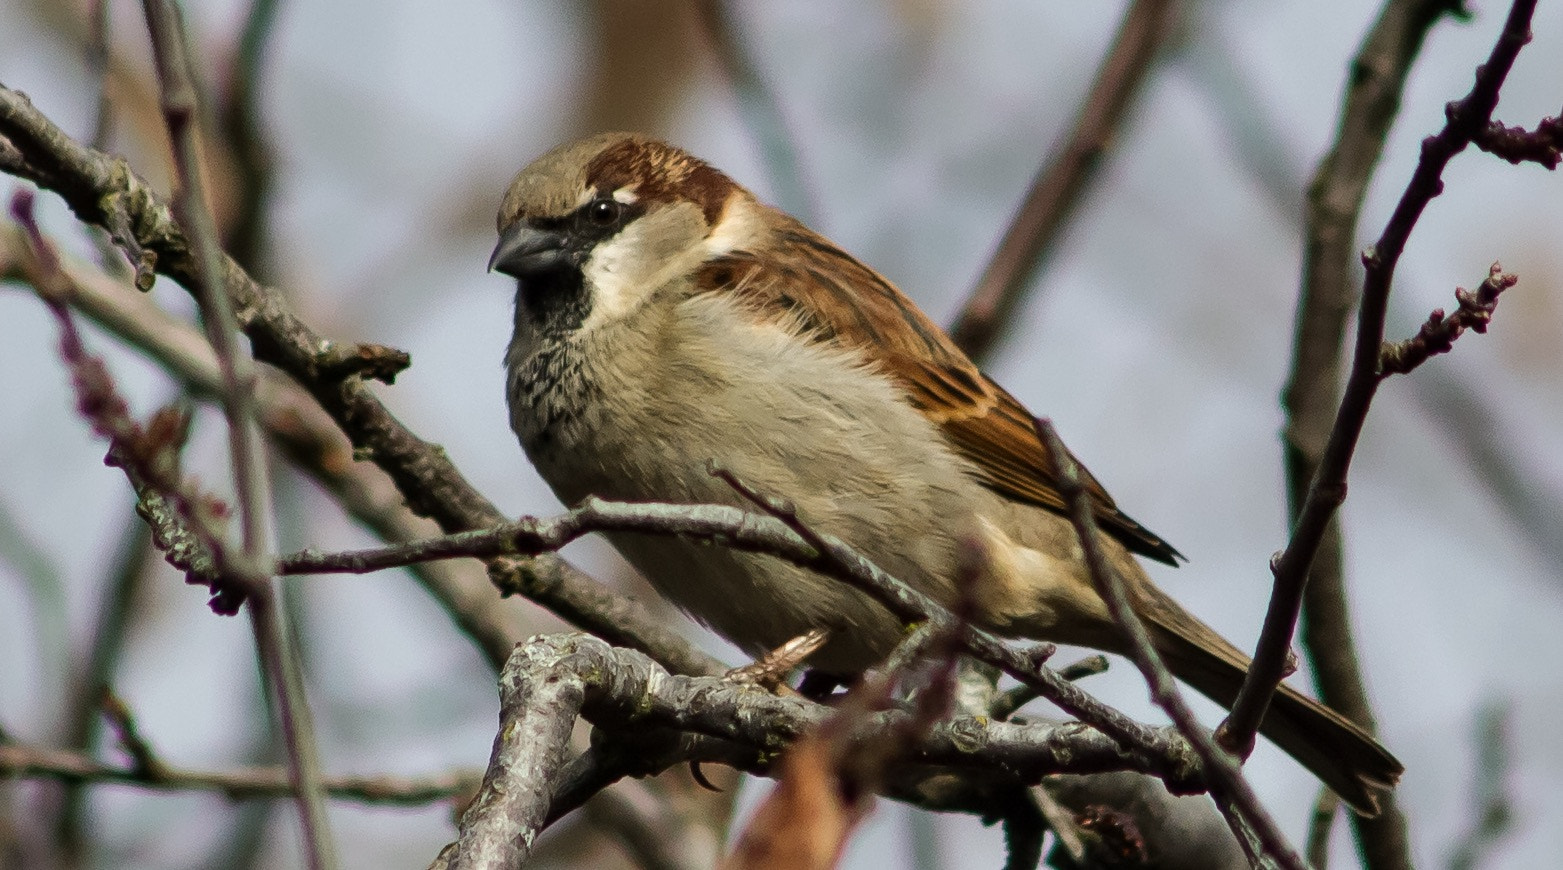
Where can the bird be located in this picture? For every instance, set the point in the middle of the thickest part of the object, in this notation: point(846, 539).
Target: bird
point(667, 319)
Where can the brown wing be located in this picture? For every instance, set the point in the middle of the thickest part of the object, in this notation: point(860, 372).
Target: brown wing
point(837, 298)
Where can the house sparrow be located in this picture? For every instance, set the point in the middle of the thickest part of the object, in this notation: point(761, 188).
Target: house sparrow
point(665, 318)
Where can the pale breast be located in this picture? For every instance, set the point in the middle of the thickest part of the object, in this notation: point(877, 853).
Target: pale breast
point(635, 411)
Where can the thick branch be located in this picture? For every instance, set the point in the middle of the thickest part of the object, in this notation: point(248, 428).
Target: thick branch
point(623, 690)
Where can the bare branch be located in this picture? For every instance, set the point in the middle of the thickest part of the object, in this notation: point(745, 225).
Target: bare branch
point(1007, 703)
point(1312, 394)
point(537, 710)
point(778, 535)
point(295, 424)
point(626, 690)
point(1438, 334)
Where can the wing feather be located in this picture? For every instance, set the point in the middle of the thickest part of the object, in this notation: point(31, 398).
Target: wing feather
point(836, 298)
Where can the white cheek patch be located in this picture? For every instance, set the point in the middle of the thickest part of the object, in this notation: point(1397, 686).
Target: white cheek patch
point(611, 273)
point(627, 268)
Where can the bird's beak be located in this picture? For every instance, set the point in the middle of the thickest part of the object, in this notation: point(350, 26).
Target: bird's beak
point(525, 251)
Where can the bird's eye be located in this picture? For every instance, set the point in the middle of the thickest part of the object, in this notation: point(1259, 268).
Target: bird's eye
point(602, 212)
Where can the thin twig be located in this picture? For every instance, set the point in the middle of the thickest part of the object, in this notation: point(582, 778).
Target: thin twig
point(1438, 334)
point(1008, 702)
point(183, 516)
point(1328, 490)
point(181, 110)
point(1369, 107)
point(1232, 793)
point(1544, 145)
point(1058, 188)
point(279, 658)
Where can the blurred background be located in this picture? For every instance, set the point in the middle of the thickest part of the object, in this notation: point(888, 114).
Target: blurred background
point(1157, 338)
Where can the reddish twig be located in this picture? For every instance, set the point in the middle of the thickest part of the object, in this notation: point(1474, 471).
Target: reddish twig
point(1466, 118)
point(1058, 188)
point(189, 524)
point(1438, 334)
point(1544, 145)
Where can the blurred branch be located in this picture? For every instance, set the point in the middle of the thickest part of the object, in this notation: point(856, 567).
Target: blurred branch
point(1174, 832)
point(1060, 184)
point(42, 586)
point(646, 829)
point(1320, 823)
point(760, 109)
point(240, 123)
point(95, 673)
point(35, 762)
point(1231, 791)
point(1328, 488)
point(103, 191)
point(1490, 798)
point(97, 56)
